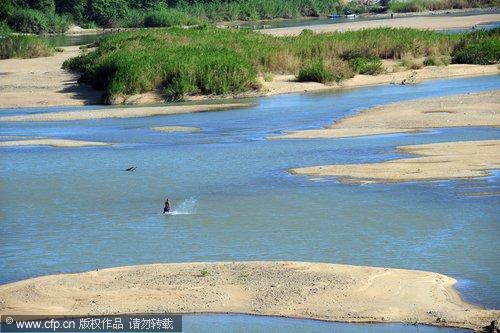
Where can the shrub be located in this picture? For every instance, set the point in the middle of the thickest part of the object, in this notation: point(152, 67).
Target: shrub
point(37, 22)
point(370, 66)
point(20, 46)
point(437, 61)
point(164, 17)
point(4, 29)
point(481, 52)
point(411, 63)
point(316, 72)
point(107, 13)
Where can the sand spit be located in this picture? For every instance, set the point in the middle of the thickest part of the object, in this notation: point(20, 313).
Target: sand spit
point(129, 112)
point(438, 161)
point(282, 84)
point(293, 289)
point(42, 82)
point(419, 22)
point(169, 129)
point(480, 109)
point(58, 143)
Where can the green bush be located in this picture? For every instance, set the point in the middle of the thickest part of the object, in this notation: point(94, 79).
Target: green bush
point(4, 29)
point(21, 46)
point(107, 13)
point(37, 22)
point(481, 52)
point(164, 17)
point(315, 72)
point(370, 66)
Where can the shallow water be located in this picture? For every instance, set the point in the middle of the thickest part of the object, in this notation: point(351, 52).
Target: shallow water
point(244, 323)
point(67, 210)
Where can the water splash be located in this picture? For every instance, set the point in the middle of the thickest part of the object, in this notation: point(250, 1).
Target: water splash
point(186, 207)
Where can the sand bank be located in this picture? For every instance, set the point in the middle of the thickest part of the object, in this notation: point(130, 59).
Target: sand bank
point(448, 160)
point(129, 112)
point(419, 22)
point(42, 82)
point(59, 143)
point(481, 109)
point(176, 129)
point(282, 84)
point(293, 289)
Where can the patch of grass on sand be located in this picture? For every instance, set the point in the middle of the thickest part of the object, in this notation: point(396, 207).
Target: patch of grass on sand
point(482, 47)
point(403, 6)
point(20, 46)
point(207, 60)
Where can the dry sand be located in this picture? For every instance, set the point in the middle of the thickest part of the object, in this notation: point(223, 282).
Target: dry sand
point(42, 82)
point(129, 112)
point(292, 289)
point(176, 129)
point(419, 22)
point(59, 143)
point(438, 161)
point(481, 109)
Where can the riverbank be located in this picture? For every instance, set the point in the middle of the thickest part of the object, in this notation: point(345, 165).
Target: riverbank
point(416, 22)
point(437, 161)
point(480, 109)
point(41, 82)
point(291, 289)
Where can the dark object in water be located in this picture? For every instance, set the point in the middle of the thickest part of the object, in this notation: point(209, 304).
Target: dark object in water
point(132, 168)
point(167, 207)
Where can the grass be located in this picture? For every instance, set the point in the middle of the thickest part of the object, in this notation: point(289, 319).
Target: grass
point(204, 273)
point(37, 22)
point(20, 46)
point(211, 61)
point(402, 6)
point(479, 48)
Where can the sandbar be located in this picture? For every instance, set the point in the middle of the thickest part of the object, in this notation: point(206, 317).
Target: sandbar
point(42, 82)
point(292, 289)
point(437, 161)
point(475, 109)
point(58, 143)
point(129, 112)
point(188, 129)
point(417, 22)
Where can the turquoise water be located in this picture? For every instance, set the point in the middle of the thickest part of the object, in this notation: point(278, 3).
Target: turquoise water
point(67, 210)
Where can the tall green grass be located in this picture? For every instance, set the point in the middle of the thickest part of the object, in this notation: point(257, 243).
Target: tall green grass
point(37, 21)
point(19, 46)
point(207, 60)
point(402, 6)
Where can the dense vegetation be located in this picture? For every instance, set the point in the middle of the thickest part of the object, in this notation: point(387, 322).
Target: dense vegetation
point(53, 16)
point(402, 6)
point(13, 46)
point(207, 60)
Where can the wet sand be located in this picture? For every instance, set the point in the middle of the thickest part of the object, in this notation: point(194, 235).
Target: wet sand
point(129, 112)
point(58, 143)
point(419, 22)
point(480, 109)
point(188, 129)
point(292, 289)
point(437, 161)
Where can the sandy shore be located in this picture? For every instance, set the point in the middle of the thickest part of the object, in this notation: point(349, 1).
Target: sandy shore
point(176, 129)
point(437, 161)
point(129, 112)
point(293, 289)
point(42, 82)
point(481, 109)
point(420, 22)
point(59, 143)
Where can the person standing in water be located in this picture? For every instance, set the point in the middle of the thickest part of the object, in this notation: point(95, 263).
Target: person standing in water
point(166, 209)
